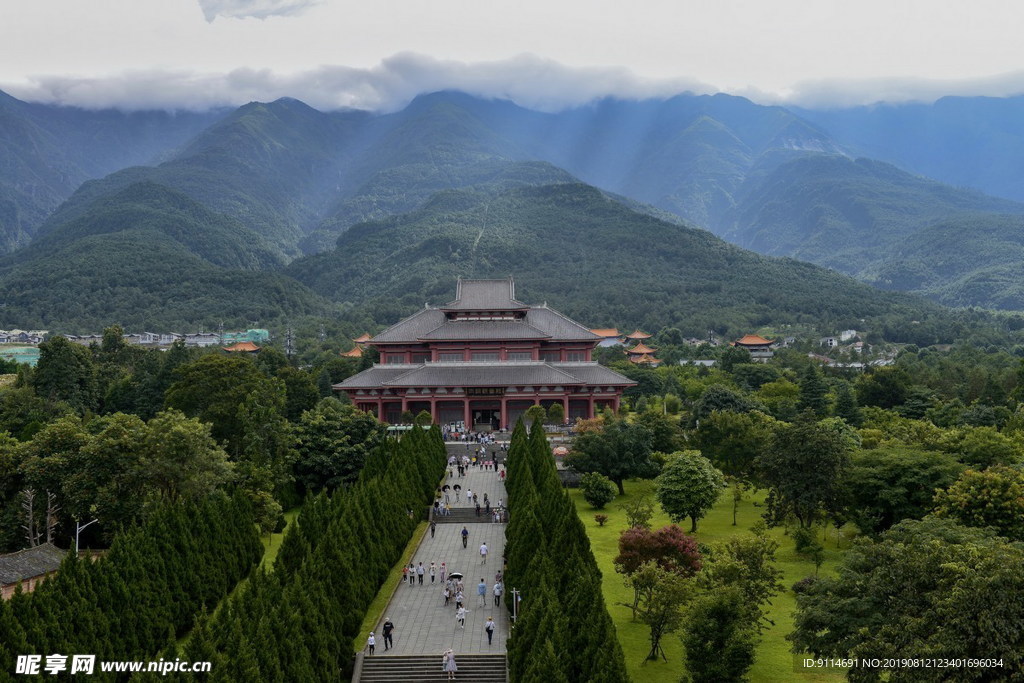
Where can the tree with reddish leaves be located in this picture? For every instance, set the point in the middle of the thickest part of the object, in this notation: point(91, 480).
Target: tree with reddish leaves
point(669, 547)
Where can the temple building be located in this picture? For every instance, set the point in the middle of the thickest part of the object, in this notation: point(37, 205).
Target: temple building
point(482, 360)
point(642, 354)
point(759, 347)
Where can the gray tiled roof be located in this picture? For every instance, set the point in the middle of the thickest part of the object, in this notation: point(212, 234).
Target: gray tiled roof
point(484, 329)
point(430, 324)
point(557, 325)
point(484, 374)
point(592, 373)
point(412, 328)
point(485, 295)
point(30, 562)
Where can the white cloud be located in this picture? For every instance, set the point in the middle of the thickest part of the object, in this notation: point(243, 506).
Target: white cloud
point(527, 80)
point(839, 93)
point(256, 9)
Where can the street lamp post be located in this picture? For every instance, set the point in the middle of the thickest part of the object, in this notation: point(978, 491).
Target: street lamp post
point(78, 530)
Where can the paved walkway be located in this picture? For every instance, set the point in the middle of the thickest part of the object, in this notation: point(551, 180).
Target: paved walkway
point(423, 625)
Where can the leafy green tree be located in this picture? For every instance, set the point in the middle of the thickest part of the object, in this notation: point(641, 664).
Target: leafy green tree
point(665, 433)
point(983, 446)
point(813, 392)
point(181, 460)
point(688, 486)
point(212, 388)
point(754, 375)
point(65, 372)
point(992, 498)
point(638, 511)
point(721, 398)
point(886, 485)
point(267, 437)
point(803, 468)
point(556, 414)
point(846, 405)
point(618, 451)
point(423, 419)
point(673, 404)
point(598, 490)
point(884, 387)
point(923, 588)
point(661, 605)
point(301, 392)
point(333, 441)
point(733, 356)
point(747, 564)
point(718, 638)
point(733, 441)
point(535, 414)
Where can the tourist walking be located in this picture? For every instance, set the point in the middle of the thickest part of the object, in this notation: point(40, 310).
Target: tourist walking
point(433, 572)
point(465, 537)
point(489, 627)
point(412, 574)
point(460, 616)
point(498, 589)
point(459, 599)
point(483, 553)
point(405, 573)
point(370, 642)
point(433, 528)
point(442, 572)
point(419, 573)
point(481, 591)
point(388, 629)
point(448, 664)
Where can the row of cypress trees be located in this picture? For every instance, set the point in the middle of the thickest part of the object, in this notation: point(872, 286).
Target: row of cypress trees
point(144, 593)
point(299, 622)
point(563, 632)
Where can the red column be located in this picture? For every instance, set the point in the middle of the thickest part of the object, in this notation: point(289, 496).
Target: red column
point(590, 402)
point(616, 406)
point(504, 413)
point(380, 409)
point(565, 407)
point(433, 410)
point(467, 418)
point(405, 403)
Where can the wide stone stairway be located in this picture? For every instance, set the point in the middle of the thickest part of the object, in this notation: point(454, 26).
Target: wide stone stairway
point(473, 668)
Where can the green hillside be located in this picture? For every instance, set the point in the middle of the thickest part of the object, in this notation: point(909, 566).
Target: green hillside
point(591, 258)
point(148, 258)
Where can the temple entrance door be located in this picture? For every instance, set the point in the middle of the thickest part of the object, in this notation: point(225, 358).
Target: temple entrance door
point(486, 415)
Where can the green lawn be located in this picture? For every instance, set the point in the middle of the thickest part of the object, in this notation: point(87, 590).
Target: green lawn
point(272, 542)
point(774, 661)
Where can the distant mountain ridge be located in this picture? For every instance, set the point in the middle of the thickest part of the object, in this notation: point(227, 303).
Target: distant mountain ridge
point(296, 179)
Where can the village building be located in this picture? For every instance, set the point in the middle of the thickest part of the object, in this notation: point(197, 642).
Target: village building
point(636, 336)
point(28, 567)
point(482, 360)
point(759, 347)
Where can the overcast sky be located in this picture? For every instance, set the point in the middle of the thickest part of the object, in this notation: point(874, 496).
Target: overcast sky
point(544, 53)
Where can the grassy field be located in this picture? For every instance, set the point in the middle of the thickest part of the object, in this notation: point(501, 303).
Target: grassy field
point(272, 542)
point(774, 661)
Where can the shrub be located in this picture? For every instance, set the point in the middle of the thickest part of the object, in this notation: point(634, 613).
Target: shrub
point(600, 519)
point(598, 490)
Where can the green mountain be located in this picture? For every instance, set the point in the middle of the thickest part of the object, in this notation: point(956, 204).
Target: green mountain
point(149, 258)
point(46, 152)
point(973, 142)
point(959, 262)
point(595, 260)
point(848, 214)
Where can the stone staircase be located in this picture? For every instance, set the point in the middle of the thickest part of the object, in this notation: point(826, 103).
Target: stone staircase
point(427, 669)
